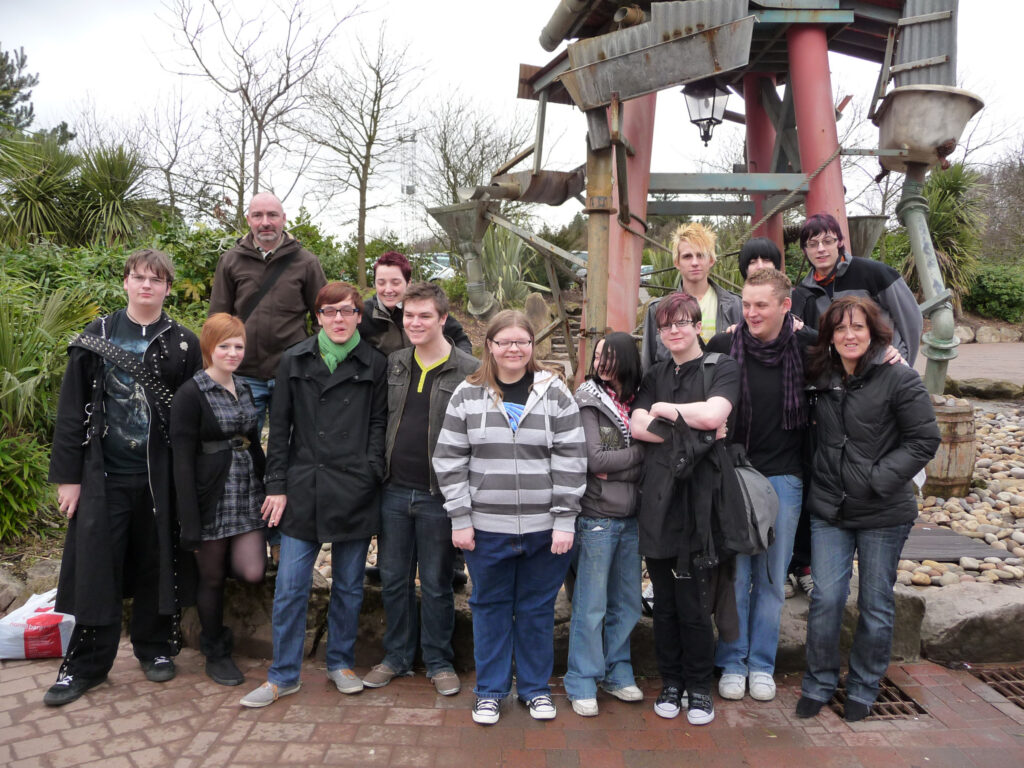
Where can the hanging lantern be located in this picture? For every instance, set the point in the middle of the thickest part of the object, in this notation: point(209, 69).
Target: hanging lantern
point(705, 101)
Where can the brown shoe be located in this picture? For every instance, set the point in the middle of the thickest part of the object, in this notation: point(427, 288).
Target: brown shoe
point(379, 676)
point(446, 682)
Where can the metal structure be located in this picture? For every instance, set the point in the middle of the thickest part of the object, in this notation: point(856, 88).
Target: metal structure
point(622, 55)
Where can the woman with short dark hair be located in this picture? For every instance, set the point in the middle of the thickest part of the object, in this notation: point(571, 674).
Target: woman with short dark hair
point(874, 429)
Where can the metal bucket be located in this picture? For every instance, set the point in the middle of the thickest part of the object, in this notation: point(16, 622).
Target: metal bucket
point(949, 473)
point(864, 233)
point(926, 120)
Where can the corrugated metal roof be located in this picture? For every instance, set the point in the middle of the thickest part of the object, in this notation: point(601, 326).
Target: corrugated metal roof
point(929, 39)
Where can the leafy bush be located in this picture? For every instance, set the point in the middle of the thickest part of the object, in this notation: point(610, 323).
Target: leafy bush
point(506, 260)
point(998, 292)
point(455, 288)
point(23, 487)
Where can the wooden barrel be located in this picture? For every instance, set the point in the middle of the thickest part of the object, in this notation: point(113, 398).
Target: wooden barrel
point(950, 472)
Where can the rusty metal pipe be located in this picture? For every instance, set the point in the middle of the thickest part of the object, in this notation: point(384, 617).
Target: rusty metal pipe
point(629, 16)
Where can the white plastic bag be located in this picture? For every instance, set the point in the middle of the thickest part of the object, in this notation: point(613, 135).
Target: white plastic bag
point(35, 631)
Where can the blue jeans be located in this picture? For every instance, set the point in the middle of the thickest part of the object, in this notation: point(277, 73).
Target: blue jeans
point(607, 592)
point(832, 552)
point(291, 599)
point(415, 529)
point(515, 582)
point(760, 581)
point(262, 392)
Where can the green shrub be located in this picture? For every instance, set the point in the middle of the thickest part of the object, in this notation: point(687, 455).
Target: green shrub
point(24, 463)
point(455, 288)
point(998, 292)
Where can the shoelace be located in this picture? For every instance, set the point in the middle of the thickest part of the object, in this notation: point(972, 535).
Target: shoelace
point(541, 702)
point(488, 706)
point(161, 660)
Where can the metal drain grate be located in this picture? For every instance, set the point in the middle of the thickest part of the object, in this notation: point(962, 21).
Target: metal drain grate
point(892, 702)
point(1008, 681)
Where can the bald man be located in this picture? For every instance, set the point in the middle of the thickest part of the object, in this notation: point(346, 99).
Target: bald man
point(270, 281)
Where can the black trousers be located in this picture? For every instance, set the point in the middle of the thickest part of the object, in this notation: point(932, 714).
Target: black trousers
point(133, 545)
point(684, 639)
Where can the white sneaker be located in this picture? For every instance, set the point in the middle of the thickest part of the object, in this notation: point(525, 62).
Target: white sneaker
point(627, 693)
point(585, 707)
point(486, 711)
point(789, 587)
point(806, 582)
point(732, 687)
point(762, 686)
point(542, 708)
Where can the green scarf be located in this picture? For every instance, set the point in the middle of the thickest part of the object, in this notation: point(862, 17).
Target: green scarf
point(332, 353)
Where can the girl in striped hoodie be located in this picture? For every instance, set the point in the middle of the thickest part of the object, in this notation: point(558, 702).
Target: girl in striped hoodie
point(511, 463)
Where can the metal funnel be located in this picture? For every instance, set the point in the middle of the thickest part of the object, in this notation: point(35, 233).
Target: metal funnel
point(864, 233)
point(465, 225)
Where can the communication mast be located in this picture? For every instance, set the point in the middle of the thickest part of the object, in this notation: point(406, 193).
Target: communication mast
point(409, 181)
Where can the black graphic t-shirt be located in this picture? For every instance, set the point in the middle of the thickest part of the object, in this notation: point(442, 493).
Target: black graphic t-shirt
point(125, 406)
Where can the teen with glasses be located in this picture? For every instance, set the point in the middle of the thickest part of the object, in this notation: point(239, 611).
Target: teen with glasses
point(325, 465)
point(511, 463)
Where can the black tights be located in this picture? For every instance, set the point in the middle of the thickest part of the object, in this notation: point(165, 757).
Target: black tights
point(245, 555)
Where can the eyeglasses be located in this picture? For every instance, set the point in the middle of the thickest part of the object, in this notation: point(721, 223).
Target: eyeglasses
point(678, 325)
point(331, 312)
point(827, 241)
point(153, 280)
point(517, 343)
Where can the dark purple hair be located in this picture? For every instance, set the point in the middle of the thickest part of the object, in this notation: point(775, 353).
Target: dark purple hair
point(393, 259)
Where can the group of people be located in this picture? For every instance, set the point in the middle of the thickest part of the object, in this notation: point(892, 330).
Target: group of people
point(383, 423)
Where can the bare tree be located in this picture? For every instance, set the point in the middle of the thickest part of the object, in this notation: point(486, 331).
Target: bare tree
point(357, 117)
point(260, 64)
point(465, 145)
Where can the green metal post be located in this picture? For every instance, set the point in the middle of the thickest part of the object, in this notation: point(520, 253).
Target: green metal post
point(939, 344)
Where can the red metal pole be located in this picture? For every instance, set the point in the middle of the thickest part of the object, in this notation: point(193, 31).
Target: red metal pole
point(625, 250)
point(760, 144)
point(816, 119)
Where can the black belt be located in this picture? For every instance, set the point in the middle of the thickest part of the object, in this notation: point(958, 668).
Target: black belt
point(236, 443)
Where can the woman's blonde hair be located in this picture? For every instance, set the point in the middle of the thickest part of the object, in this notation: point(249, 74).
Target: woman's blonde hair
point(487, 374)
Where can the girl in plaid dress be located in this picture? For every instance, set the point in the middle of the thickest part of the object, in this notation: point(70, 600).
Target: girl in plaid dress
point(218, 473)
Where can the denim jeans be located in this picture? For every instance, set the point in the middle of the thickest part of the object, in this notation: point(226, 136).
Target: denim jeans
point(607, 593)
point(760, 581)
point(262, 392)
point(515, 582)
point(832, 552)
point(291, 599)
point(415, 529)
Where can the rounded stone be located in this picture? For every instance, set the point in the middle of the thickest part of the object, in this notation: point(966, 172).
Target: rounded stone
point(921, 579)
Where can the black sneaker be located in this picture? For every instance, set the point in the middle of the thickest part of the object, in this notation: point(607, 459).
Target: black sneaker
point(669, 702)
point(69, 688)
point(486, 711)
point(702, 708)
point(158, 670)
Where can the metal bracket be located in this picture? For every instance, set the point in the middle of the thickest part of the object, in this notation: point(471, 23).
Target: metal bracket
point(936, 302)
point(623, 150)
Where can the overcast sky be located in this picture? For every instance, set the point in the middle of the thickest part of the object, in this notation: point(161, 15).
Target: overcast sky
point(115, 54)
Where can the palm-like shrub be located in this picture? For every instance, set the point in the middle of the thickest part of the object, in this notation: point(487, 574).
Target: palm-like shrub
point(111, 206)
point(956, 221)
point(506, 261)
point(37, 191)
point(34, 331)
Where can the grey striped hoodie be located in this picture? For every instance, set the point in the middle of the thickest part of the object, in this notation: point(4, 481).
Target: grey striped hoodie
point(497, 480)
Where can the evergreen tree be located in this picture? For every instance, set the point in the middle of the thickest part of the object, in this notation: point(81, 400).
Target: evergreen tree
point(16, 85)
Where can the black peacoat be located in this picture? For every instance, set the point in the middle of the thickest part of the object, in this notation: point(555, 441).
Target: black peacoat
point(326, 447)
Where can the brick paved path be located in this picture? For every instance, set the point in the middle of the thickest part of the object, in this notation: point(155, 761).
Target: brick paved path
point(985, 361)
point(190, 721)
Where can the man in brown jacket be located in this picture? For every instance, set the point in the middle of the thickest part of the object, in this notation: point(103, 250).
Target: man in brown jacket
point(270, 281)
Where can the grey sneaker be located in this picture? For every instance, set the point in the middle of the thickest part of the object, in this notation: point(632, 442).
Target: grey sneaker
point(267, 694)
point(346, 680)
point(446, 682)
point(379, 676)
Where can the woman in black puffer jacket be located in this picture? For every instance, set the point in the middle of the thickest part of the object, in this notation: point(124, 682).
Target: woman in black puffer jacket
point(875, 429)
